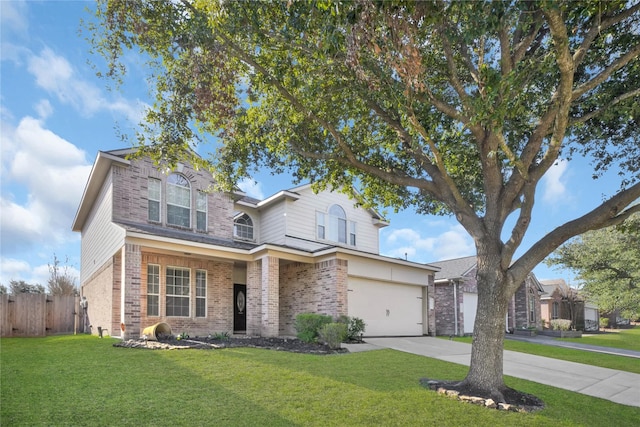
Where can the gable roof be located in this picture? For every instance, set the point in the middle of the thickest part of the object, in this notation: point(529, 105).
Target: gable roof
point(294, 194)
point(99, 171)
point(454, 268)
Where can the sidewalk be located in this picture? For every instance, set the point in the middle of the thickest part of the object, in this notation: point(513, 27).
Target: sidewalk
point(616, 386)
point(546, 340)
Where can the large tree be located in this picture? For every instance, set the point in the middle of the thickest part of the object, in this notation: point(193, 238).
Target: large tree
point(447, 107)
point(607, 263)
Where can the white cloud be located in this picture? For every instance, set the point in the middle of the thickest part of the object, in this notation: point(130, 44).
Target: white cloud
point(13, 16)
point(44, 109)
point(251, 188)
point(554, 189)
point(412, 244)
point(56, 75)
point(43, 179)
point(13, 269)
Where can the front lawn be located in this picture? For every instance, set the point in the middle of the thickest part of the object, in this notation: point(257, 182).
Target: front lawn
point(628, 339)
point(84, 380)
point(631, 338)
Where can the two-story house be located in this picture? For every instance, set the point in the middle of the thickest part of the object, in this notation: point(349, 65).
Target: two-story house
point(160, 245)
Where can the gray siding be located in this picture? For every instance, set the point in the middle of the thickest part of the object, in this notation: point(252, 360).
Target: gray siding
point(301, 218)
point(272, 224)
point(100, 237)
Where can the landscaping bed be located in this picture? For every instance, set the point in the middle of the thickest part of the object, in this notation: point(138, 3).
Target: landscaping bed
point(561, 334)
point(273, 343)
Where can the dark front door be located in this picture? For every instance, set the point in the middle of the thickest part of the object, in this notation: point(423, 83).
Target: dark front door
point(239, 308)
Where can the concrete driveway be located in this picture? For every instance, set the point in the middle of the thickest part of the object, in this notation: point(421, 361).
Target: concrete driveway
point(616, 386)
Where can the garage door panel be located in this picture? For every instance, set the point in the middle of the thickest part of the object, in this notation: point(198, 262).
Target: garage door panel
point(387, 309)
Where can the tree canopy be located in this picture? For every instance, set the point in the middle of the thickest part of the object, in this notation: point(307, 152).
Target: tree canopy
point(447, 107)
point(607, 263)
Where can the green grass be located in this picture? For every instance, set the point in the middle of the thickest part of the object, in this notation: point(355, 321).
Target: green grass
point(83, 380)
point(628, 339)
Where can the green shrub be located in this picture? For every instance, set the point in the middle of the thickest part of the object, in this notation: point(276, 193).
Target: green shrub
point(604, 322)
point(355, 327)
point(221, 336)
point(560, 324)
point(308, 325)
point(333, 334)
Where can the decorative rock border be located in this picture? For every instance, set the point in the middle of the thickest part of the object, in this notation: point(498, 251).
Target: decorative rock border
point(475, 400)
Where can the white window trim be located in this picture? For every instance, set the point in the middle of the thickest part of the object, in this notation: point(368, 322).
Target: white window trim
point(190, 207)
point(200, 193)
point(158, 201)
point(197, 297)
point(237, 235)
point(154, 294)
point(167, 294)
point(330, 227)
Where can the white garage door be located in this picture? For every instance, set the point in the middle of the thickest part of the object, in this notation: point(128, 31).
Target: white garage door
point(469, 308)
point(387, 309)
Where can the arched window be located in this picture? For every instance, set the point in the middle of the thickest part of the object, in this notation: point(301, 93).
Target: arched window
point(337, 224)
point(178, 201)
point(332, 226)
point(243, 227)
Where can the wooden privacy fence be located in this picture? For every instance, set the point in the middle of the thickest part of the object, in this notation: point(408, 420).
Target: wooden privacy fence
point(37, 315)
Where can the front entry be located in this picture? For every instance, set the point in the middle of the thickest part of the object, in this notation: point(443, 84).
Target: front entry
point(239, 309)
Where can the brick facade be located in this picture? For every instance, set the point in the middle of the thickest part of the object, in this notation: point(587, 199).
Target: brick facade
point(270, 291)
point(445, 311)
point(219, 295)
point(132, 203)
point(99, 292)
point(254, 297)
point(312, 288)
point(527, 294)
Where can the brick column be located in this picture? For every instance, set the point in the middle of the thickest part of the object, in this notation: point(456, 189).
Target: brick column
point(270, 297)
point(254, 297)
point(130, 291)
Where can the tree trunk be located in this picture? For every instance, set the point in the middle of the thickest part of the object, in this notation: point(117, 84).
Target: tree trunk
point(485, 375)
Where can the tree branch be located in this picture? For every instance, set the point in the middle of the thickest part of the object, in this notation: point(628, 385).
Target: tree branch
point(599, 111)
point(453, 73)
point(521, 48)
point(606, 73)
point(612, 212)
point(599, 25)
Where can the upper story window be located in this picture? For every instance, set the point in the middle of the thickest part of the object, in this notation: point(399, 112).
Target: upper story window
point(337, 224)
point(243, 227)
point(334, 226)
point(153, 196)
point(201, 211)
point(178, 201)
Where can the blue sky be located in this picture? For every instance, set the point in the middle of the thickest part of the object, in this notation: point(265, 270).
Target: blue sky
point(56, 114)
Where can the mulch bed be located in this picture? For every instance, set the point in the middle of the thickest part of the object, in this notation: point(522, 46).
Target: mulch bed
point(514, 400)
point(282, 344)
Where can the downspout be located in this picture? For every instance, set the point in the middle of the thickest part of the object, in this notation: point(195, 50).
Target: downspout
point(455, 309)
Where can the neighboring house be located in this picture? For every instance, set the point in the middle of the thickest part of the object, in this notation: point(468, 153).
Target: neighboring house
point(560, 301)
point(161, 246)
point(456, 299)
